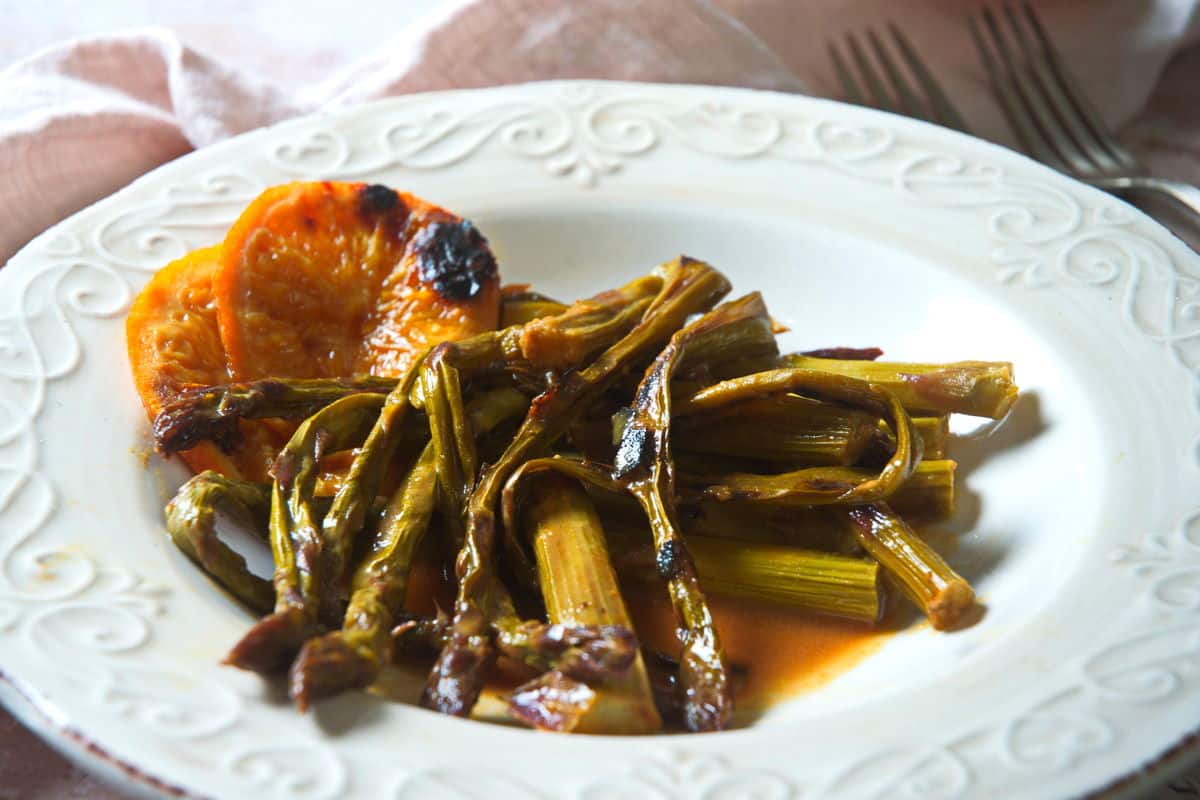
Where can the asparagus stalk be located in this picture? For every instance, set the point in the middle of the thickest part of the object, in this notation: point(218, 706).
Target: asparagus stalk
point(580, 588)
point(783, 428)
point(643, 462)
point(928, 494)
point(570, 338)
point(928, 491)
point(352, 657)
point(191, 523)
point(737, 347)
point(815, 485)
point(592, 653)
point(295, 541)
point(555, 702)
point(518, 305)
point(211, 412)
point(845, 353)
point(457, 677)
point(924, 577)
point(452, 440)
point(342, 524)
point(933, 431)
point(580, 470)
point(821, 582)
point(978, 388)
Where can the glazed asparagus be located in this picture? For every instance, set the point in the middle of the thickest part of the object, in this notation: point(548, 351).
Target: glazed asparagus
point(580, 588)
point(191, 522)
point(643, 463)
point(783, 428)
point(978, 388)
point(688, 286)
point(211, 412)
point(726, 468)
point(353, 656)
point(923, 575)
point(785, 575)
point(295, 539)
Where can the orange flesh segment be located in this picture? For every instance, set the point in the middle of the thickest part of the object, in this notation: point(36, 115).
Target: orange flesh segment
point(333, 279)
point(173, 342)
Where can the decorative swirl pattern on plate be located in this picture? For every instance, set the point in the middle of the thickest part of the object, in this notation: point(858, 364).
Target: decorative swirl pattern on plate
point(64, 604)
point(305, 772)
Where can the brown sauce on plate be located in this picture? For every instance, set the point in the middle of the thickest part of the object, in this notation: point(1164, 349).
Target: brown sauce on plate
point(775, 652)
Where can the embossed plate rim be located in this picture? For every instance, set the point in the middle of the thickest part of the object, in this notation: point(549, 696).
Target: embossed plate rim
point(593, 156)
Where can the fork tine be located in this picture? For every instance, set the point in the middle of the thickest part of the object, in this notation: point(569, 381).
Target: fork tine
point(1069, 96)
point(943, 110)
point(1032, 86)
point(1009, 100)
point(879, 96)
point(850, 87)
point(908, 102)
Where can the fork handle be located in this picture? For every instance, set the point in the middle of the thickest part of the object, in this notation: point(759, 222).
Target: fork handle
point(1182, 193)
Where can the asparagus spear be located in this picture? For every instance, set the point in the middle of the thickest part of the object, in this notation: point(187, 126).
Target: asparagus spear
point(191, 522)
point(978, 388)
point(452, 440)
point(824, 583)
point(457, 677)
point(353, 499)
point(845, 353)
point(518, 305)
point(643, 462)
point(815, 485)
point(594, 653)
point(783, 428)
point(211, 412)
point(928, 494)
point(580, 588)
point(555, 702)
point(585, 327)
point(934, 433)
point(570, 338)
point(271, 643)
point(923, 576)
point(353, 656)
point(928, 491)
point(578, 469)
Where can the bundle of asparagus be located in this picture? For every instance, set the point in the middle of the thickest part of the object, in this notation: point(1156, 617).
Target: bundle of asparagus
point(647, 431)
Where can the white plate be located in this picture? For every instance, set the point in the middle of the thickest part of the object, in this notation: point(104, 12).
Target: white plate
point(861, 229)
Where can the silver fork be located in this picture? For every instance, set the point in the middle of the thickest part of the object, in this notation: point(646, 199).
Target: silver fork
point(1050, 116)
point(925, 100)
point(1041, 103)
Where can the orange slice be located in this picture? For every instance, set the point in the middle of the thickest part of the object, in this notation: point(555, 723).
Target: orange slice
point(174, 342)
point(337, 279)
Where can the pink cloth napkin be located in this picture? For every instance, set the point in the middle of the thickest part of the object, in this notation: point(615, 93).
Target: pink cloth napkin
point(82, 119)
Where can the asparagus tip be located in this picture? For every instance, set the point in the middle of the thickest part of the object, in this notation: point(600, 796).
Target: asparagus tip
point(271, 644)
point(458, 675)
point(552, 702)
point(327, 666)
point(707, 695)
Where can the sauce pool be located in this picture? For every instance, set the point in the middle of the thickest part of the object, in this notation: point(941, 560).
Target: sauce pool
point(774, 652)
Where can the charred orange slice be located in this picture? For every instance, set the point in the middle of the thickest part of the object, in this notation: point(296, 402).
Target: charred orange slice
point(173, 342)
point(337, 279)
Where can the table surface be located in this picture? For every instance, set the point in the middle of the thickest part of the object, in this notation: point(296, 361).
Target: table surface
point(267, 37)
